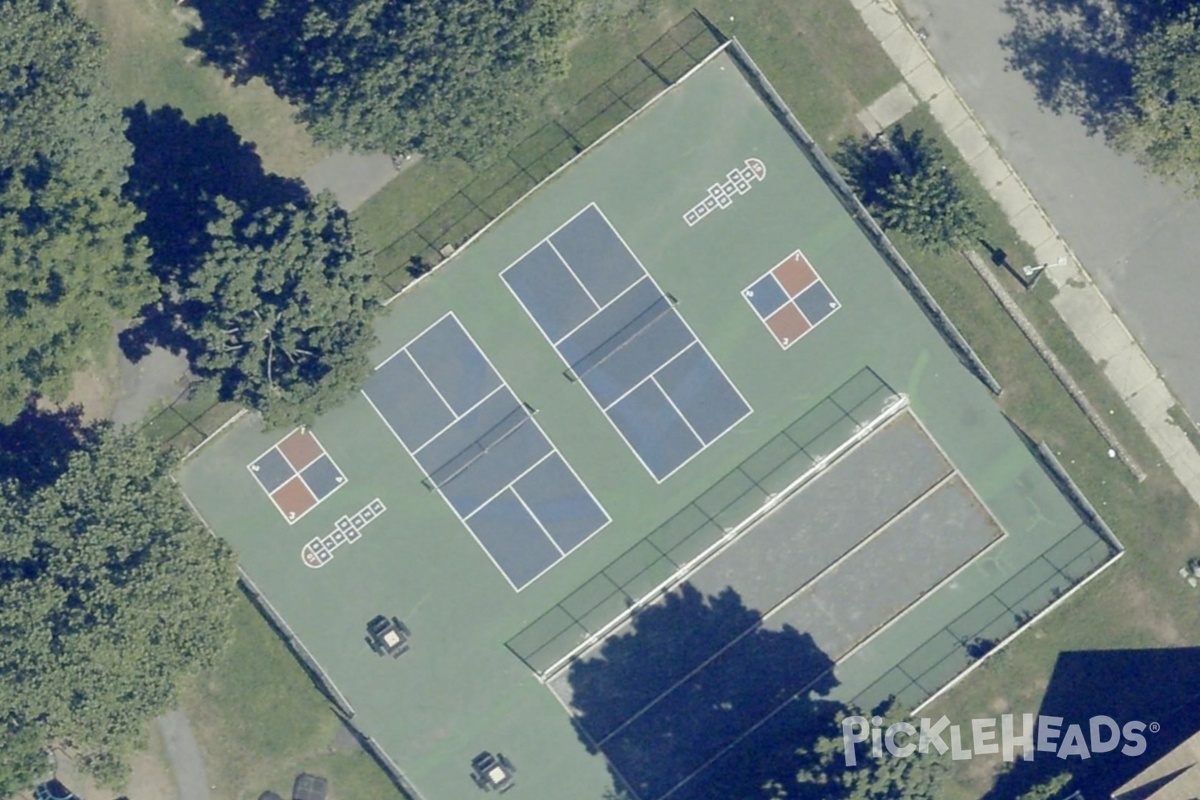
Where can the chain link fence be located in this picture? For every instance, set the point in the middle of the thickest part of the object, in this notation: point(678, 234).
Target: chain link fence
point(539, 155)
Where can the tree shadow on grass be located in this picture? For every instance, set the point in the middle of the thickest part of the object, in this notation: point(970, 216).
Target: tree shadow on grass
point(1159, 686)
point(1078, 54)
point(236, 39)
point(698, 698)
point(179, 170)
point(36, 447)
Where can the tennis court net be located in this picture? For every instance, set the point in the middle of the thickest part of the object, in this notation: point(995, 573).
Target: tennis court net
point(627, 334)
point(493, 436)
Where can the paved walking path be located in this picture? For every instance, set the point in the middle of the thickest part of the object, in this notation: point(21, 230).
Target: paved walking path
point(1079, 302)
point(184, 755)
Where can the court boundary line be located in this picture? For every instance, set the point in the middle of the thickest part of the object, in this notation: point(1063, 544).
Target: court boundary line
point(892, 406)
point(811, 325)
point(671, 403)
point(603, 409)
point(531, 418)
point(296, 474)
point(718, 50)
point(862, 544)
point(454, 421)
point(536, 519)
point(904, 612)
point(574, 275)
point(948, 479)
point(632, 389)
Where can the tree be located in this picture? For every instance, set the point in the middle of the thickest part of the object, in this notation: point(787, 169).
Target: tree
point(281, 308)
point(69, 266)
point(110, 592)
point(919, 776)
point(906, 184)
point(23, 758)
point(1048, 789)
point(1163, 126)
point(446, 77)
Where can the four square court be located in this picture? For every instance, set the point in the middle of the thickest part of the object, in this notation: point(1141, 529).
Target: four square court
point(791, 299)
point(481, 450)
point(592, 299)
point(297, 474)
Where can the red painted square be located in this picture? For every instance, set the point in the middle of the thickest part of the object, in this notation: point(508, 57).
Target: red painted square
point(294, 499)
point(300, 448)
point(788, 325)
point(794, 274)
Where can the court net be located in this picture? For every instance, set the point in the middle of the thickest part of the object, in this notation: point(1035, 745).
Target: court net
point(621, 339)
point(677, 547)
point(493, 436)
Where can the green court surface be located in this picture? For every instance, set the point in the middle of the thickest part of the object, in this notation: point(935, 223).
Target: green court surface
point(464, 686)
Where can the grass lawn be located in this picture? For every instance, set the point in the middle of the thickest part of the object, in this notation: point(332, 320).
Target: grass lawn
point(819, 56)
point(1139, 602)
point(147, 62)
point(260, 722)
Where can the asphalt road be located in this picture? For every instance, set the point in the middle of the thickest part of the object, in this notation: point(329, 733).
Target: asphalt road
point(1139, 239)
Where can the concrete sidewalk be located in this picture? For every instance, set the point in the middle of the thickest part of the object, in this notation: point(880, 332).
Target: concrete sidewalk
point(1078, 301)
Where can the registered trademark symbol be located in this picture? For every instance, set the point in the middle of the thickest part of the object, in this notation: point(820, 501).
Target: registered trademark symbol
point(1155, 727)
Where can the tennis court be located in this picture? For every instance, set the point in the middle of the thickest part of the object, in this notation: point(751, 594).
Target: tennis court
point(482, 451)
point(621, 337)
point(591, 471)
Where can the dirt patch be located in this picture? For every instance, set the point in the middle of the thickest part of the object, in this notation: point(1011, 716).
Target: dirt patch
point(96, 387)
point(150, 777)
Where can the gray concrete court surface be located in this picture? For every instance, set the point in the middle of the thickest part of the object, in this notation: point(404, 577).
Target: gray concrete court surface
point(1122, 237)
point(838, 560)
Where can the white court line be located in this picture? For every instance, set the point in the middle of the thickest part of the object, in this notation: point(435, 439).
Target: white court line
point(258, 480)
point(304, 480)
point(811, 325)
point(682, 416)
point(453, 422)
point(632, 389)
point(424, 331)
point(509, 485)
point(586, 291)
point(645, 276)
point(550, 443)
point(433, 386)
point(591, 316)
point(513, 488)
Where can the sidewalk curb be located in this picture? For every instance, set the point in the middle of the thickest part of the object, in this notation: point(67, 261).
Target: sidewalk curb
point(1079, 302)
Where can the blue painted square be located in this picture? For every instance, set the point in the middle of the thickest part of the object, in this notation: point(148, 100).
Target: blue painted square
point(322, 477)
point(766, 295)
point(817, 302)
point(272, 470)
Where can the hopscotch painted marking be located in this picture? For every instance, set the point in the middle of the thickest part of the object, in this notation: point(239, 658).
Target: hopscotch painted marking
point(720, 195)
point(346, 530)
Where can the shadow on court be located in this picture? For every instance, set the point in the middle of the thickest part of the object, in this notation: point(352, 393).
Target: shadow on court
point(664, 710)
point(1154, 685)
point(180, 169)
